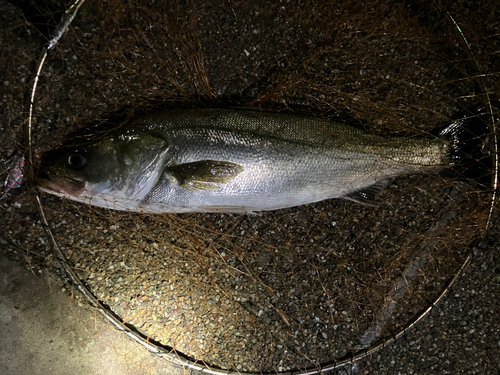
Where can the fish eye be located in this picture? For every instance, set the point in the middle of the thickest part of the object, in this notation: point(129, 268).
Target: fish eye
point(77, 161)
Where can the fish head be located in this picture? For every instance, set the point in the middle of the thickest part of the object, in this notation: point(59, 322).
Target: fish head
point(115, 172)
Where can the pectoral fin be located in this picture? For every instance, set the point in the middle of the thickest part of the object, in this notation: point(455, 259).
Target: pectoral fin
point(204, 174)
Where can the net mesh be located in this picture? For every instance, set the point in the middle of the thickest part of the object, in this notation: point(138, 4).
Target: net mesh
point(284, 290)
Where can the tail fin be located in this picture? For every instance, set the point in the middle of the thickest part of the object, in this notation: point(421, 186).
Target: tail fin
point(471, 156)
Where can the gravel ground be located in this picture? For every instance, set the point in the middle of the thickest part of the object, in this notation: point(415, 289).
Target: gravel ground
point(294, 288)
point(462, 334)
point(44, 331)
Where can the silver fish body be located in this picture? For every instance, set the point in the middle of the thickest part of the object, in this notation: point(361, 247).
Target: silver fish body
point(221, 160)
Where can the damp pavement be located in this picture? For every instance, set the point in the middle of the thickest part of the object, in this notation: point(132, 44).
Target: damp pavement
point(43, 329)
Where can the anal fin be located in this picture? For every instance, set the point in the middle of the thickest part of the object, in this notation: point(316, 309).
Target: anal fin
point(368, 194)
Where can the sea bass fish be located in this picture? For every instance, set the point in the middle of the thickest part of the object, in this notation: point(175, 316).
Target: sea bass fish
point(240, 161)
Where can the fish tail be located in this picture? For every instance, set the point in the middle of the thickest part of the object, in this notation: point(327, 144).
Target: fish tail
point(470, 154)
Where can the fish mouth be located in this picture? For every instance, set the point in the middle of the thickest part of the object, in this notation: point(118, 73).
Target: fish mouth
point(62, 186)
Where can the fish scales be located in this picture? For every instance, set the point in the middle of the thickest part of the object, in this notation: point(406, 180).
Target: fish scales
point(222, 160)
